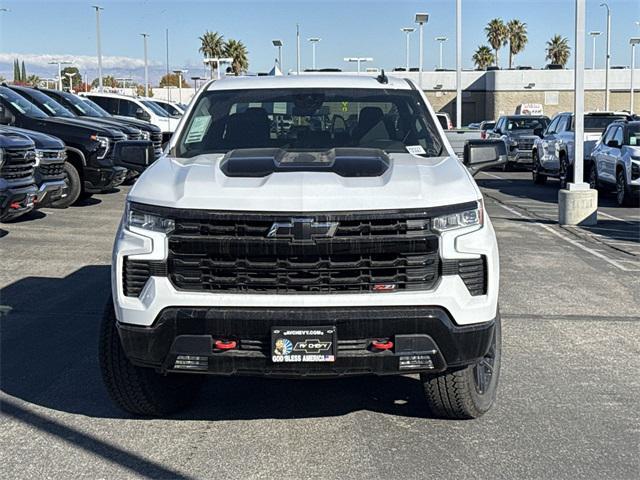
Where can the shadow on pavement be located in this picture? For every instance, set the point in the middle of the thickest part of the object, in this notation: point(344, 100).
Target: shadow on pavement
point(28, 217)
point(48, 357)
point(86, 202)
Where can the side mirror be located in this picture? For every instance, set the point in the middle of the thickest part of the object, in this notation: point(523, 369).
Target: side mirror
point(142, 115)
point(613, 144)
point(6, 117)
point(133, 154)
point(538, 132)
point(482, 154)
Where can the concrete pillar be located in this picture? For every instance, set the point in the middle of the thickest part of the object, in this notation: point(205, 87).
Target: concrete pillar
point(578, 207)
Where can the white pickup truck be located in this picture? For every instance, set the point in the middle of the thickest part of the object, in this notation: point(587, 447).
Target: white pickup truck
point(553, 154)
point(311, 250)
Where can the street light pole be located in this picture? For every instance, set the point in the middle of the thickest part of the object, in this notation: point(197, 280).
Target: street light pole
point(633, 42)
point(458, 63)
point(358, 60)
point(99, 46)
point(421, 19)
point(179, 73)
point(441, 40)
point(313, 41)
point(278, 43)
point(608, 57)
point(59, 63)
point(146, 66)
point(298, 48)
point(71, 75)
point(407, 31)
point(594, 35)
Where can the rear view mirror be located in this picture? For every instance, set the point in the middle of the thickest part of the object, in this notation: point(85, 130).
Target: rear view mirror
point(133, 154)
point(482, 154)
point(613, 144)
point(142, 115)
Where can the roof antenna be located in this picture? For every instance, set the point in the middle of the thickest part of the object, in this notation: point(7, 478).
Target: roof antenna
point(382, 78)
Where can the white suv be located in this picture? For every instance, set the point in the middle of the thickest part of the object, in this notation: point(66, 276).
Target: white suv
point(306, 249)
point(136, 107)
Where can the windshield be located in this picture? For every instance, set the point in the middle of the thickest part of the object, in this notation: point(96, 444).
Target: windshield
point(95, 106)
point(599, 123)
point(527, 123)
point(81, 106)
point(488, 125)
point(21, 104)
point(49, 105)
point(170, 109)
point(155, 108)
point(310, 120)
point(633, 136)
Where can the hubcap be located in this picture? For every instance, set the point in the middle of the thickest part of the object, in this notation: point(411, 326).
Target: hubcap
point(483, 370)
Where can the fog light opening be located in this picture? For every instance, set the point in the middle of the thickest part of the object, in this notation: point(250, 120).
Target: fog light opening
point(415, 362)
point(191, 362)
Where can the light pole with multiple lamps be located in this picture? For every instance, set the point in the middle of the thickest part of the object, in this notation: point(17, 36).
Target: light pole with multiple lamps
point(358, 60)
point(594, 35)
point(633, 42)
point(217, 61)
point(59, 63)
point(195, 82)
point(441, 40)
point(421, 19)
point(407, 31)
point(278, 44)
point(608, 57)
point(180, 73)
point(70, 76)
point(146, 65)
point(99, 47)
point(314, 41)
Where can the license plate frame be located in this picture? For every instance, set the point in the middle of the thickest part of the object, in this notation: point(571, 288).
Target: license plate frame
point(317, 344)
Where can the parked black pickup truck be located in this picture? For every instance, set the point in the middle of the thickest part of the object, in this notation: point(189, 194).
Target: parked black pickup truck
point(85, 107)
point(89, 146)
point(50, 168)
point(18, 190)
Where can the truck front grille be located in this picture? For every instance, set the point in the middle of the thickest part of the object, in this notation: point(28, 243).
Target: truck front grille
point(136, 273)
point(19, 164)
point(234, 253)
point(156, 139)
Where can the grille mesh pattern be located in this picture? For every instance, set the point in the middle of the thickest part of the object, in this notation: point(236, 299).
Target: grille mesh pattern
point(18, 164)
point(473, 273)
point(136, 273)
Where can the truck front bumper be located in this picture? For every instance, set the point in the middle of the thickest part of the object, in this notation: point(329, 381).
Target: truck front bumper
point(184, 339)
point(17, 201)
point(51, 191)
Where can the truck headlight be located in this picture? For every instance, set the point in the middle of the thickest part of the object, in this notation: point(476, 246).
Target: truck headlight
point(146, 135)
point(463, 219)
point(103, 147)
point(146, 221)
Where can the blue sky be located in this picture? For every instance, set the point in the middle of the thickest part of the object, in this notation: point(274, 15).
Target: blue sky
point(347, 28)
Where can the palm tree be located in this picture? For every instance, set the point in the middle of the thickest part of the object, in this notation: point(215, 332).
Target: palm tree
point(517, 38)
point(211, 46)
point(558, 50)
point(483, 57)
point(497, 35)
point(32, 80)
point(237, 50)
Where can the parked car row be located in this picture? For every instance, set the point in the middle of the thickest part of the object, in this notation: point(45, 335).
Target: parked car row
point(57, 147)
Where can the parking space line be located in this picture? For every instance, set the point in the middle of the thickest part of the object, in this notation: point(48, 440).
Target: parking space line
point(600, 212)
point(496, 176)
point(569, 240)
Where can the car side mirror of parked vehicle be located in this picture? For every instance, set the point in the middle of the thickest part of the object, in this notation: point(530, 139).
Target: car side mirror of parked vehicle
point(482, 154)
point(142, 115)
point(6, 117)
point(133, 154)
point(613, 144)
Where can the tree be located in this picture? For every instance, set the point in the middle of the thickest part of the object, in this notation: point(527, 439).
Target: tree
point(32, 80)
point(212, 46)
point(483, 57)
point(172, 80)
point(517, 38)
point(558, 50)
point(76, 79)
point(23, 73)
point(140, 90)
point(16, 72)
point(237, 50)
point(107, 81)
point(497, 35)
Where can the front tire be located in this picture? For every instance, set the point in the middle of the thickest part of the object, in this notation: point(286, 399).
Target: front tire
point(467, 393)
point(623, 194)
point(138, 390)
point(565, 173)
point(537, 177)
point(73, 187)
point(594, 182)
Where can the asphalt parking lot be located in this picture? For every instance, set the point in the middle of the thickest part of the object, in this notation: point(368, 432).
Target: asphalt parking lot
point(567, 403)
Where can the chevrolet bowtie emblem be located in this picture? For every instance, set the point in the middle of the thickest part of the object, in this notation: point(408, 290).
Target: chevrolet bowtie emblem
point(303, 229)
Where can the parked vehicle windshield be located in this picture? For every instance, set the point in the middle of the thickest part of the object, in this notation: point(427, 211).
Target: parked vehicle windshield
point(81, 106)
point(49, 105)
point(21, 104)
point(95, 106)
point(155, 108)
point(599, 123)
point(310, 119)
point(531, 123)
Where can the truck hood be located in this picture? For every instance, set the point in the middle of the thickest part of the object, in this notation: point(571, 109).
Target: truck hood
point(88, 125)
point(41, 140)
point(410, 182)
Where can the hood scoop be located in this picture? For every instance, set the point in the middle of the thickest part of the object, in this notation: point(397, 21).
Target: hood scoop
point(346, 162)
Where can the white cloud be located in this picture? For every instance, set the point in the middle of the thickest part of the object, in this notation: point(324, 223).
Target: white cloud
point(83, 62)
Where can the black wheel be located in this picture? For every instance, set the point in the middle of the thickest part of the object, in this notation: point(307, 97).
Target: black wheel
point(466, 393)
point(137, 390)
point(565, 171)
point(73, 187)
point(594, 183)
point(538, 178)
point(623, 195)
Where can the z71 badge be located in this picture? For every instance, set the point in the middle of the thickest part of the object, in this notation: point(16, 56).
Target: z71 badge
point(315, 344)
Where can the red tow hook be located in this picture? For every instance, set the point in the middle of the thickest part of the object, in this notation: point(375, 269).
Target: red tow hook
point(225, 344)
point(382, 345)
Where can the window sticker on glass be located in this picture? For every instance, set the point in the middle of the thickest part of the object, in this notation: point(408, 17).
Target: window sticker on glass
point(416, 149)
point(280, 108)
point(198, 128)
